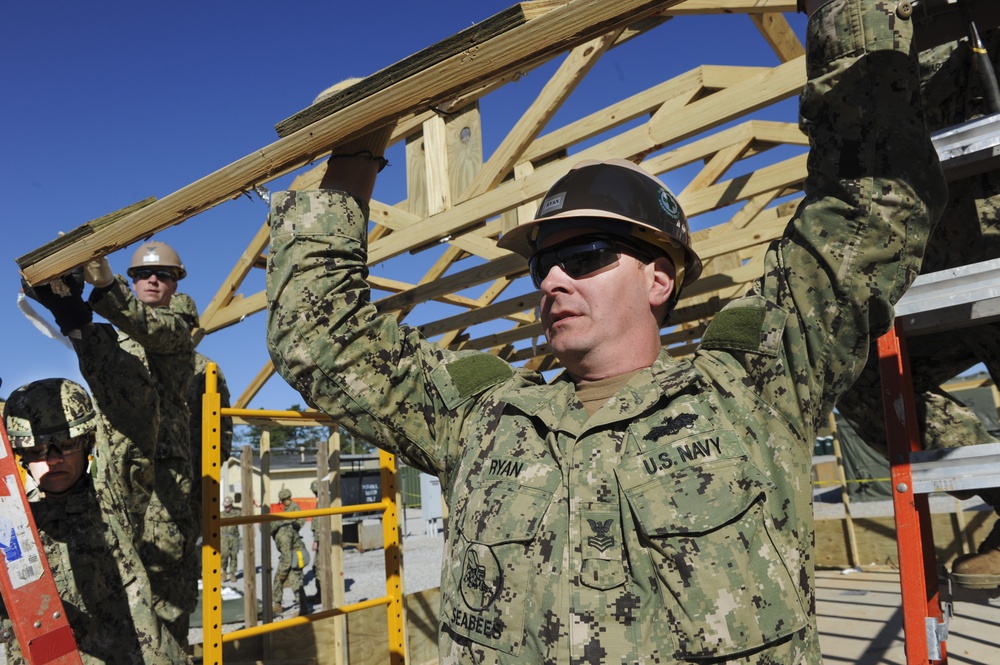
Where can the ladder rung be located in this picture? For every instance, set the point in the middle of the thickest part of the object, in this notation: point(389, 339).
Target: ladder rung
point(969, 148)
point(950, 469)
point(951, 298)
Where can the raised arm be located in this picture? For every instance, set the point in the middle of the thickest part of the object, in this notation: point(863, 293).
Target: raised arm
point(873, 193)
point(327, 340)
point(124, 393)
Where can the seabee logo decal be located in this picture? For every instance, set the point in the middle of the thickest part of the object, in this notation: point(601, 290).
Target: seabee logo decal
point(669, 204)
point(482, 578)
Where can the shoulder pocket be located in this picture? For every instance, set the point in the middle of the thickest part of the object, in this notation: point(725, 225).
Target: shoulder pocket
point(468, 376)
point(750, 324)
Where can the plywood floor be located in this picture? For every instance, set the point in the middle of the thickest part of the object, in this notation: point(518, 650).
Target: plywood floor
point(860, 621)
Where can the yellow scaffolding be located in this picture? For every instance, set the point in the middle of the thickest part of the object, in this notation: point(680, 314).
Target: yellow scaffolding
point(211, 567)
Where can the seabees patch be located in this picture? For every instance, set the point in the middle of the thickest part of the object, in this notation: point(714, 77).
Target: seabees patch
point(482, 578)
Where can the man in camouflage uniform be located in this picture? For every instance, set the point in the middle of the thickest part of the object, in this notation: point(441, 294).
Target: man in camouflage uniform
point(158, 331)
point(230, 541)
point(314, 524)
point(969, 232)
point(290, 547)
point(90, 520)
point(638, 508)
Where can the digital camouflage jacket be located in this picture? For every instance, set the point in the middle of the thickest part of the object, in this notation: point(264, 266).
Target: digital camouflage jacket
point(968, 232)
point(674, 525)
point(161, 338)
point(91, 533)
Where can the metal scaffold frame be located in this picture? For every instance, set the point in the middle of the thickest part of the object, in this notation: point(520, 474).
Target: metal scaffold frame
point(212, 531)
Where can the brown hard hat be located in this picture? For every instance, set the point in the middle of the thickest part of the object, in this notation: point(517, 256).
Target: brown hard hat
point(614, 196)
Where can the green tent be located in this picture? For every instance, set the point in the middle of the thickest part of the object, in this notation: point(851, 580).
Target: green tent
point(865, 468)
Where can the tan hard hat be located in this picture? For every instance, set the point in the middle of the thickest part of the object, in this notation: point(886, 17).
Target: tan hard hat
point(335, 88)
point(156, 254)
point(614, 196)
point(48, 411)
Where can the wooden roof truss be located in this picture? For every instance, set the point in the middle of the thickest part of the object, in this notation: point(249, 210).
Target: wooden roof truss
point(459, 202)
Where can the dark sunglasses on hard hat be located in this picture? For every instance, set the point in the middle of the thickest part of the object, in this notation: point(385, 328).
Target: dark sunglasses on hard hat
point(162, 274)
point(63, 448)
point(582, 256)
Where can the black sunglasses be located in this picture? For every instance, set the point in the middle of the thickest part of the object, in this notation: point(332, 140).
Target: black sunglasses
point(36, 453)
point(581, 256)
point(162, 274)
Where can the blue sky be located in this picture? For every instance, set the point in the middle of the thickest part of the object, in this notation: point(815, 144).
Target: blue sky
point(107, 103)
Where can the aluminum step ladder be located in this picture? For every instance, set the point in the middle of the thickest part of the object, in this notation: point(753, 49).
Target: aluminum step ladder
point(950, 299)
point(971, 147)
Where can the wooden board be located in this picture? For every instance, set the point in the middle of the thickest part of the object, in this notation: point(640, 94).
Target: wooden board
point(367, 637)
point(859, 620)
point(544, 37)
point(465, 40)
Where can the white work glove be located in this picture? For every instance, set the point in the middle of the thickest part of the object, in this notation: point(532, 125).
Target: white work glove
point(98, 273)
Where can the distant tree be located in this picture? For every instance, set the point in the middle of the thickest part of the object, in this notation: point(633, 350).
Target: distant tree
point(352, 445)
point(284, 438)
point(293, 438)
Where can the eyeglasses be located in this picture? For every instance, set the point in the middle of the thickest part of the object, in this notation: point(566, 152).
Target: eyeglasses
point(38, 453)
point(581, 256)
point(162, 274)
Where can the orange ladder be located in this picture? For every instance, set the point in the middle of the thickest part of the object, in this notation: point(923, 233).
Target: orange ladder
point(925, 624)
point(29, 591)
point(946, 300)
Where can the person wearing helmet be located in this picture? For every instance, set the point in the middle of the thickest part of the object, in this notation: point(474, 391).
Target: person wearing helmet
point(156, 327)
point(637, 507)
point(614, 208)
point(89, 464)
point(968, 233)
point(292, 555)
point(155, 270)
point(315, 526)
point(231, 543)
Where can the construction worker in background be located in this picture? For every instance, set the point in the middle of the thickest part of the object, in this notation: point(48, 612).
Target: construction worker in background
point(230, 541)
point(90, 517)
point(638, 508)
point(969, 232)
point(314, 524)
point(292, 556)
point(160, 334)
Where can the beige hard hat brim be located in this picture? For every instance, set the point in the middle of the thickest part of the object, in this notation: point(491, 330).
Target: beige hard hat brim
point(524, 238)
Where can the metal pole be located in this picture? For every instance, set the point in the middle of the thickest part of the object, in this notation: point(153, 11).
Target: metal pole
point(981, 60)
